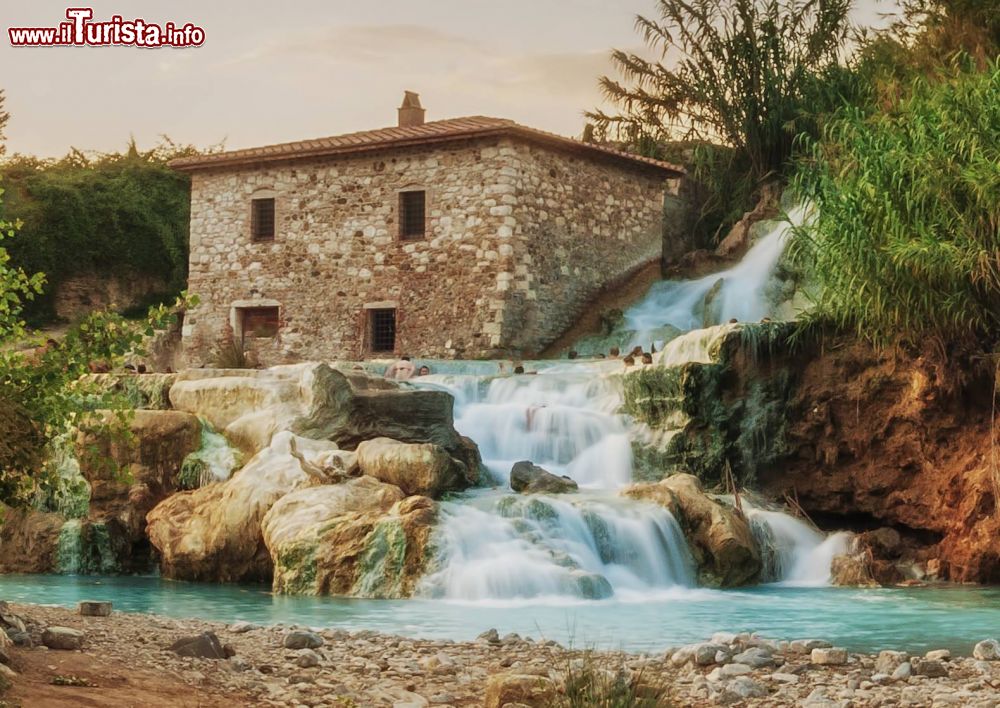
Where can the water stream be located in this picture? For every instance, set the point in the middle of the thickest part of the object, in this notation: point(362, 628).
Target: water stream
point(589, 567)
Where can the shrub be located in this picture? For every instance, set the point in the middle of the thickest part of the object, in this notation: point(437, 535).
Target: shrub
point(907, 234)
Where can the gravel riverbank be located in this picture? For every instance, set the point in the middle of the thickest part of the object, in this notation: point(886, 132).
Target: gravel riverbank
point(124, 659)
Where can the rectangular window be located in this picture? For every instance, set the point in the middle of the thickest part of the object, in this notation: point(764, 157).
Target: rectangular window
point(412, 217)
point(382, 330)
point(259, 322)
point(262, 219)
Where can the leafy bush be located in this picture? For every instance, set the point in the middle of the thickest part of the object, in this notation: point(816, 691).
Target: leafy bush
point(109, 214)
point(906, 239)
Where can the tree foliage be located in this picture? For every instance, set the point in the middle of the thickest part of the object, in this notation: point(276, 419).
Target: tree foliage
point(107, 214)
point(735, 72)
point(906, 241)
point(42, 393)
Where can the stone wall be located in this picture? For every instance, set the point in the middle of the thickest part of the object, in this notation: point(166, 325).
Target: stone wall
point(581, 227)
point(517, 238)
point(79, 295)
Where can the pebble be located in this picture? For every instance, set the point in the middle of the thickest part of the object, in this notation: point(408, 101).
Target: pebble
point(366, 668)
point(987, 650)
point(299, 639)
point(307, 659)
point(903, 671)
point(94, 608)
point(828, 656)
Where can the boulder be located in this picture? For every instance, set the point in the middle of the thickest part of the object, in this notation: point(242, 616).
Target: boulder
point(525, 689)
point(719, 536)
point(361, 538)
point(529, 478)
point(29, 540)
point(94, 608)
point(214, 533)
point(416, 468)
point(63, 638)
point(248, 406)
point(851, 570)
point(130, 472)
point(987, 650)
point(202, 646)
point(321, 403)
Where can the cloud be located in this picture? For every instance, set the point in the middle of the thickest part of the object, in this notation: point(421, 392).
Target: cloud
point(361, 44)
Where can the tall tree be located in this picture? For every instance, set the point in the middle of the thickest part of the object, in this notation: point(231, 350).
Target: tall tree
point(735, 72)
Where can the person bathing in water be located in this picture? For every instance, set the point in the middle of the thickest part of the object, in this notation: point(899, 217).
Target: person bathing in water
point(400, 370)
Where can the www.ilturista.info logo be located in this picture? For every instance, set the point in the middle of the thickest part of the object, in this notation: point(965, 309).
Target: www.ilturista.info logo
point(80, 31)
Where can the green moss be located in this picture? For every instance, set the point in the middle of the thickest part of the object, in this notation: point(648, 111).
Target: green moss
point(710, 416)
point(381, 568)
point(295, 569)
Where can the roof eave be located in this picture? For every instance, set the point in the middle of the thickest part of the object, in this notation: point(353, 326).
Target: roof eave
point(195, 164)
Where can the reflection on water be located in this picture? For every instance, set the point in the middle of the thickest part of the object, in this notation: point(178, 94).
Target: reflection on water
point(863, 620)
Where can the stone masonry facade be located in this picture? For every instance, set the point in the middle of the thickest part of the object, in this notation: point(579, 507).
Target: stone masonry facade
point(519, 237)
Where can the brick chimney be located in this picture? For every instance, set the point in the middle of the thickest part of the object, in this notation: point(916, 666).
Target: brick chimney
point(411, 112)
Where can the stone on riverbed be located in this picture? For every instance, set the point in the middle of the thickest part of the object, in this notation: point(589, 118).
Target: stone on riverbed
point(302, 639)
point(903, 671)
point(828, 656)
point(529, 478)
point(94, 608)
point(987, 650)
point(63, 638)
point(755, 657)
point(929, 668)
point(202, 646)
point(888, 660)
point(805, 646)
point(307, 659)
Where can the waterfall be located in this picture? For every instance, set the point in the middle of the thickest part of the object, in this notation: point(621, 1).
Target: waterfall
point(794, 552)
point(214, 461)
point(539, 547)
point(492, 545)
point(564, 422)
point(672, 307)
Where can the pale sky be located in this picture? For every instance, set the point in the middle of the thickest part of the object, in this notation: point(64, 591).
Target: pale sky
point(273, 71)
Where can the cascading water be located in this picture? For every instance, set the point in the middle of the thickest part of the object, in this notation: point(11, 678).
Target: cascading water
point(740, 292)
point(794, 552)
point(497, 546)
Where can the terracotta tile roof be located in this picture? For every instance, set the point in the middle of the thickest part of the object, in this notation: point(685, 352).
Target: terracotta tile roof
point(429, 133)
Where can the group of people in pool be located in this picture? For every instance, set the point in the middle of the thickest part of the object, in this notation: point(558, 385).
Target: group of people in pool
point(404, 369)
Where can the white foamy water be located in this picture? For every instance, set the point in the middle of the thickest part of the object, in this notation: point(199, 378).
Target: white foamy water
point(794, 552)
point(680, 303)
point(539, 547)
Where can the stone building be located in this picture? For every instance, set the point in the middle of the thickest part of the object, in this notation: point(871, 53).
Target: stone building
point(468, 237)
